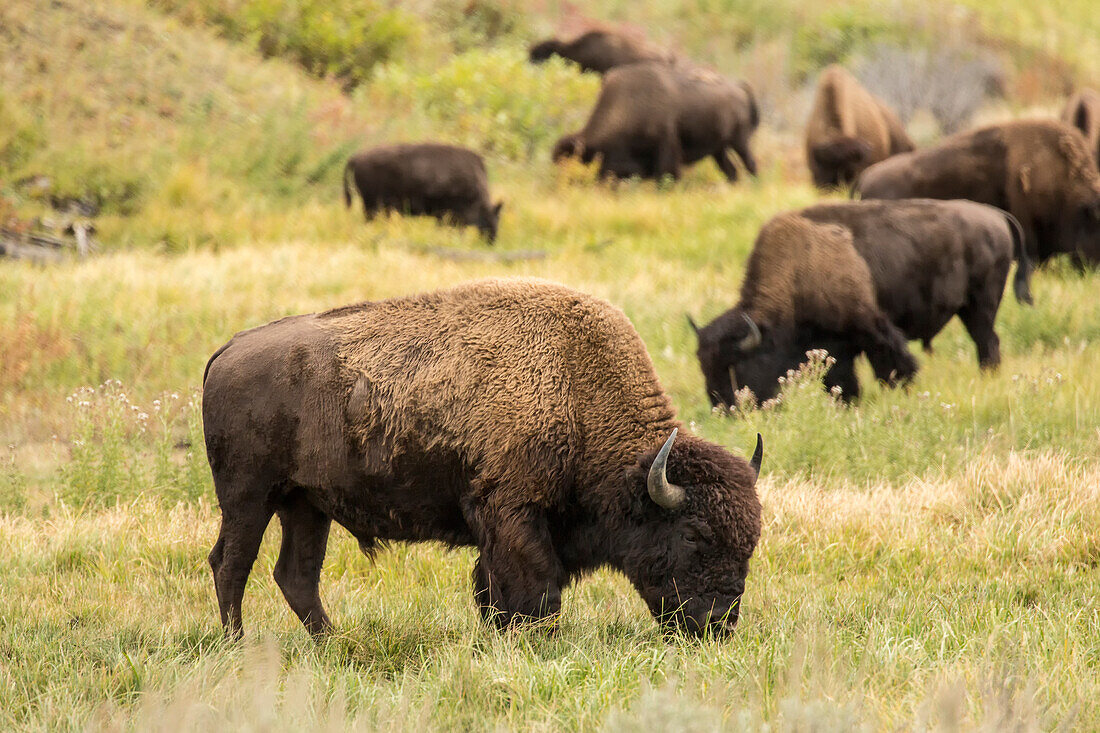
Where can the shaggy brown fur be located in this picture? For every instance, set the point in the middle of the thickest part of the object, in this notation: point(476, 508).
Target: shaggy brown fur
point(599, 50)
point(1083, 112)
point(444, 181)
point(805, 286)
point(652, 118)
point(518, 416)
point(848, 130)
point(1038, 170)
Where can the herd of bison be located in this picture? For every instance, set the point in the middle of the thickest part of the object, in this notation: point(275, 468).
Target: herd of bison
point(526, 419)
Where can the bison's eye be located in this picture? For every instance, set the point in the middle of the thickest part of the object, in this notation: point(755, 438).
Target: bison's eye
point(692, 536)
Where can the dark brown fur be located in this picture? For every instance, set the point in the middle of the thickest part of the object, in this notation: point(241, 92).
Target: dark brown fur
point(518, 416)
point(1038, 170)
point(1083, 112)
point(806, 286)
point(599, 50)
point(650, 119)
point(444, 181)
point(848, 130)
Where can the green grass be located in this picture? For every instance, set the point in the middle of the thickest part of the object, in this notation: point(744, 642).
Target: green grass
point(929, 557)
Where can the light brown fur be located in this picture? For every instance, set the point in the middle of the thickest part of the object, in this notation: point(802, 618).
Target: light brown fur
point(523, 390)
point(844, 113)
point(800, 267)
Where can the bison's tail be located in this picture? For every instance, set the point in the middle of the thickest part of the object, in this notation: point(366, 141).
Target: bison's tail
point(754, 109)
point(1021, 284)
point(347, 188)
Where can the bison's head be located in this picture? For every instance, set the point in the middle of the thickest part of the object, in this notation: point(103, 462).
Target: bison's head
point(568, 146)
point(543, 50)
point(839, 162)
point(734, 353)
point(1085, 233)
point(489, 221)
point(696, 528)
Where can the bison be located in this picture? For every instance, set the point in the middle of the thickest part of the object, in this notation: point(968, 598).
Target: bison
point(517, 416)
point(862, 277)
point(848, 130)
point(1039, 170)
point(650, 119)
point(443, 181)
point(599, 50)
point(1083, 112)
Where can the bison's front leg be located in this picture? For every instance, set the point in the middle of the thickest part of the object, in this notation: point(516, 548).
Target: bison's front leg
point(886, 349)
point(518, 576)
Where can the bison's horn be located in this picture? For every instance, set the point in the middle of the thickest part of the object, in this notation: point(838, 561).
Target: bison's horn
point(753, 340)
point(664, 494)
point(757, 455)
point(691, 322)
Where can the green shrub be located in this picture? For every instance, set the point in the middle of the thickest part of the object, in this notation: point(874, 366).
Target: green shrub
point(493, 99)
point(475, 23)
point(332, 38)
point(837, 34)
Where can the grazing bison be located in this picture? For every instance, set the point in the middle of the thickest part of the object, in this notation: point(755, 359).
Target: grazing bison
point(1039, 170)
point(599, 50)
point(1083, 112)
point(652, 118)
point(862, 277)
point(443, 181)
point(848, 130)
point(517, 416)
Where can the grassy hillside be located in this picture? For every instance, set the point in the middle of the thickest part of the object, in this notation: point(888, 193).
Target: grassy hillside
point(929, 557)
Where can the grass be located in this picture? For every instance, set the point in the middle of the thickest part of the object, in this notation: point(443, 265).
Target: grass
point(929, 557)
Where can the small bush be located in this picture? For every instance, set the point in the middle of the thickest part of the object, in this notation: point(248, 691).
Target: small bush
point(836, 35)
point(493, 100)
point(332, 38)
point(477, 23)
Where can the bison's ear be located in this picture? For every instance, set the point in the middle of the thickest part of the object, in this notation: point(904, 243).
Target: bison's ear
point(496, 209)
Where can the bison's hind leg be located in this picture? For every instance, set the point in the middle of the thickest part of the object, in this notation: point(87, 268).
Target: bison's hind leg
point(722, 158)
point(242, 530)
point(978, 320)
point(298, 570)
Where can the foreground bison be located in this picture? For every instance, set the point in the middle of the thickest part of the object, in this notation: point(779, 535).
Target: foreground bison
point(848, 130)
point(1039, 170)
point(517, 416)
point(862, 277)
point(650, 119)
point(1083, 112)
point(599, 50)
point(443, 181)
